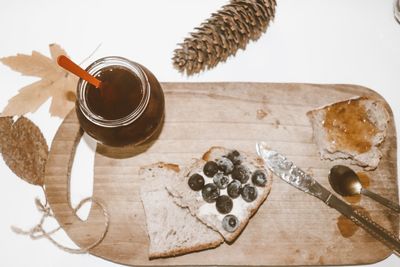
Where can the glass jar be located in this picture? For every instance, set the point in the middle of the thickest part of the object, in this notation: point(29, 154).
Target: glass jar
point(145, 103)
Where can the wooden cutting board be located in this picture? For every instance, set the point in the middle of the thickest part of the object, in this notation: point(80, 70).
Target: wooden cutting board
point(290, 228)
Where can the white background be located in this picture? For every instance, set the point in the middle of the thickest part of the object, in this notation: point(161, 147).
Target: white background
point(313, 41)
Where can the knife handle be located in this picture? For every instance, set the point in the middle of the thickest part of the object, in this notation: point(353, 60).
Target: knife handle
point(377, 231)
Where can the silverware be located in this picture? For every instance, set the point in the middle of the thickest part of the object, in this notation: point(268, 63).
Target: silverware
point(396, 10)
point(346, 183)
point(293, 175)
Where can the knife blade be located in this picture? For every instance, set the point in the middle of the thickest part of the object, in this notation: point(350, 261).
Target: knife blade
point(293, 175)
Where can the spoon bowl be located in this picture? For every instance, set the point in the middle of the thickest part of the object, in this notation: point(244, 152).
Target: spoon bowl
point(347, 183)
point(344, 181)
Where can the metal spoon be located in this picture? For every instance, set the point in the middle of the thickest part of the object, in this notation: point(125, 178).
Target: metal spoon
point(346, 183)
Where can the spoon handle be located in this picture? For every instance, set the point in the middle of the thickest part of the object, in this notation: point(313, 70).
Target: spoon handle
point(71, 66)
point(384, 201)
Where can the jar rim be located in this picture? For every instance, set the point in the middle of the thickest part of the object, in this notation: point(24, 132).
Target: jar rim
point(94, 69)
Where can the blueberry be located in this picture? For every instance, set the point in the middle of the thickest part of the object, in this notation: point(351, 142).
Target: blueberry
point(196, 182)
point(259, 178)
point(210, 168)
point(210, 192)
point(249, 193)
point(230, 223)
point(241, 173)
point(234, 156)
point(234, 189)
point(224, 204)
point(220, 180)
point(224, 164)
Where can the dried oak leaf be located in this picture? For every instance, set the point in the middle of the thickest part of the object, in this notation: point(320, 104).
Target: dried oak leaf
point(56, 83)
point(25, 152)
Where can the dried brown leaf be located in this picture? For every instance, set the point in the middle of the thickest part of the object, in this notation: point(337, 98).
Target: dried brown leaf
point(5, 130)
point(56, 50)
point(56, 83)
point(25, 152)
point(28, 99)
point(35, 64)
point(63, 96)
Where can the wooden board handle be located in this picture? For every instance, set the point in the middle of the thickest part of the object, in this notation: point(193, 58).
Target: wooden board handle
point(57, 185)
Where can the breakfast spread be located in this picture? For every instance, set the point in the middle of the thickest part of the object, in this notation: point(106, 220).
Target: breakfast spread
point(351, 129)
point(220, 192)
point(198, 206)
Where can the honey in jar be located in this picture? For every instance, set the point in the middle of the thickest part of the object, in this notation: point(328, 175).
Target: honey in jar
point(128, 107)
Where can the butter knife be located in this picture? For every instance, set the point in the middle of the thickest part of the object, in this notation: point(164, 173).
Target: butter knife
point(293, 175)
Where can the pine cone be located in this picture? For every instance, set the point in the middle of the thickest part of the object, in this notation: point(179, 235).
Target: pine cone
point(223, 34)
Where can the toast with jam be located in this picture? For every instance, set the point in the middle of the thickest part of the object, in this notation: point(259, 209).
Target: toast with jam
point(351, 129)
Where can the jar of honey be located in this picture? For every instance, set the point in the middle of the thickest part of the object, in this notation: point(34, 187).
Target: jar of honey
point(128, 107)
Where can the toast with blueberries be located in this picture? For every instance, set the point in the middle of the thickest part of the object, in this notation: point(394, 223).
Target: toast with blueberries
point(172, 229)
point(224, 189)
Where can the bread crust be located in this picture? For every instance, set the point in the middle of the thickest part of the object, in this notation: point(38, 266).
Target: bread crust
point(186, 250)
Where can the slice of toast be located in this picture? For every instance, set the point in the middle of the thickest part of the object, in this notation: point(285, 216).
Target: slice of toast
point(351, 129)
point(184, 196)
point(172, 229)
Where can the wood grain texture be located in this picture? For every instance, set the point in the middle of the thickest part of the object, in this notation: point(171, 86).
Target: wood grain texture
point(290, 228)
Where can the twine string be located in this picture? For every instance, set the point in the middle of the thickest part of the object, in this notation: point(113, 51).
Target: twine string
point(38, 232)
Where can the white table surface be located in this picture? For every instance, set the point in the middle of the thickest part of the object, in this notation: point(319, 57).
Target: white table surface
point(312, 41)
